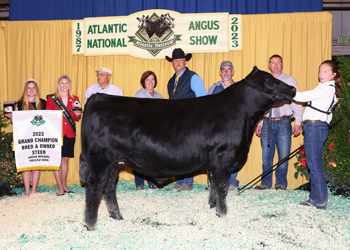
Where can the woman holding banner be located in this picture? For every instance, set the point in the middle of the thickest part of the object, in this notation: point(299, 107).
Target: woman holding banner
point(30, 100)
point(64, 100)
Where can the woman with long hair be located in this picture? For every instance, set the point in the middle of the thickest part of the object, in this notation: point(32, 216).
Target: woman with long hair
point(30, 100)
point(63, 99)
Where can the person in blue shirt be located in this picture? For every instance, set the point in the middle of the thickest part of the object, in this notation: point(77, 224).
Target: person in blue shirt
point(183, 84)
point(226, 72)
point(148, 82)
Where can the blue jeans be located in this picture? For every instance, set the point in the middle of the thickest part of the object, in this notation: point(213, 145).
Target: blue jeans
point(233, 180)
point(139, 180)
point(315, 135)
point(281, 132)
point(186, 179)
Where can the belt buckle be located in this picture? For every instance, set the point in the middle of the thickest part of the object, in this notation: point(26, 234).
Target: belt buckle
point(307, 122)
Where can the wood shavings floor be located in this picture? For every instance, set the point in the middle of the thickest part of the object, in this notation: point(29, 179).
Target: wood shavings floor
point(157, 219)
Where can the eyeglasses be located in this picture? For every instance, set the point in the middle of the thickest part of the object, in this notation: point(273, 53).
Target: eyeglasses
point(101, 74)
point(227, 70)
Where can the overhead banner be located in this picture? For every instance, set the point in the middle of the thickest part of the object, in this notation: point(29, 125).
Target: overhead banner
point(37, 136)
point(153, 34)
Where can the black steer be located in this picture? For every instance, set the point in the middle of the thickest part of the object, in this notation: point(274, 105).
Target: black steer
point(164, 138)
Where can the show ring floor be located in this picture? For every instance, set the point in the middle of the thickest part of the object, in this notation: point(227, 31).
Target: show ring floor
point(157, 219)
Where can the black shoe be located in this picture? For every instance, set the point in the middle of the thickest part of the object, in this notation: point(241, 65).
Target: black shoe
point(69, 192)
point(153, 187)
point(60, 194)
point(139, 187)
point(261, 187)
point(280, 187)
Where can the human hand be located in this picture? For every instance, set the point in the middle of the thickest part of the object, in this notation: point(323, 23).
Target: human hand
point(296, 130)
point(77, 113)
point(258, 130)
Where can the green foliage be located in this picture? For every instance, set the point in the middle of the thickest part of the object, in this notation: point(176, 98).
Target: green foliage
point(336, 151)
point(301, 166)
point(8, 171)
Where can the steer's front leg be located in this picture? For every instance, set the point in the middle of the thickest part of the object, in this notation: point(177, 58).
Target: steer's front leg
point(220, 185)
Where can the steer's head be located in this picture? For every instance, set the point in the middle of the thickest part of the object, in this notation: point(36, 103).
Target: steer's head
point(268, 85)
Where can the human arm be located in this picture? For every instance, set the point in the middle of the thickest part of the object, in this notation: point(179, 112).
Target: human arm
point(139, 94)
point(87, 95)
point(311, 95)
point(211, 89)
point(120, 92)
point(197, 86)
point(49, 104)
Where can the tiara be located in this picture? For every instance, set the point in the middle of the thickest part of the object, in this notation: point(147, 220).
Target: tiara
point(31, 80)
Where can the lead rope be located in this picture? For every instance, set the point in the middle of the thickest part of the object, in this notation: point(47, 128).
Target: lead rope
point(269, 129)
point(291, 155)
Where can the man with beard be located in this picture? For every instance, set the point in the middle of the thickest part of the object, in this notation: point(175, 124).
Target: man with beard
point(226, 72)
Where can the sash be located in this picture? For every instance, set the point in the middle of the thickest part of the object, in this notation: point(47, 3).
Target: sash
point(31, 106)
point(66, 112)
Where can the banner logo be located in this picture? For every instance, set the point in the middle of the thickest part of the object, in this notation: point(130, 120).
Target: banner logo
point(154, 33)
point(38, 120)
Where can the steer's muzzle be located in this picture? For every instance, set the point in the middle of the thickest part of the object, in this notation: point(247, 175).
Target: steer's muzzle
point(285, 92)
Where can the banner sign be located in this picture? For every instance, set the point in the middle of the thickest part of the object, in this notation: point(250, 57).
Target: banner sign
point(153, 34)
point(37, 136)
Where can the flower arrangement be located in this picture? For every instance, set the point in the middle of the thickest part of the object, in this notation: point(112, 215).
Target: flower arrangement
point(8, 171)
point(336, 150)
point(301, 166)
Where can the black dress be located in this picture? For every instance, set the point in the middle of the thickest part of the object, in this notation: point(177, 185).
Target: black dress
point(43, 104)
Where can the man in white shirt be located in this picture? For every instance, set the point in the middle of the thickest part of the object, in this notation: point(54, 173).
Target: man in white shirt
point(103, 85)
point(281, 130)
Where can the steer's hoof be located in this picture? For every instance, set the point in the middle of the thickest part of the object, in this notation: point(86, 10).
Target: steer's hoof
point(89, 228)
point(220, 215)
point(116, 217)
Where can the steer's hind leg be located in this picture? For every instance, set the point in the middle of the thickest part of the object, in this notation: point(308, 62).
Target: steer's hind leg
point(212, 196)
point(220, 186)
point(93, 194)
point(109, 195)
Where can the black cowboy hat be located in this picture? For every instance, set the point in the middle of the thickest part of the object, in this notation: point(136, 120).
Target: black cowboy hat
point(179, 53)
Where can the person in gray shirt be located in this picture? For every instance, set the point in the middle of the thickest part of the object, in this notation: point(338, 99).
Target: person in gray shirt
point(281, 130)
point(226, 72)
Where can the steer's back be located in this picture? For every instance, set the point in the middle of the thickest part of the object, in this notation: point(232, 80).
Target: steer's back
point(163, 136)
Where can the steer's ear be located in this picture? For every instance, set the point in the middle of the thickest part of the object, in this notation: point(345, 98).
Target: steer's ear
point(251, 74)
point(255, 70)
